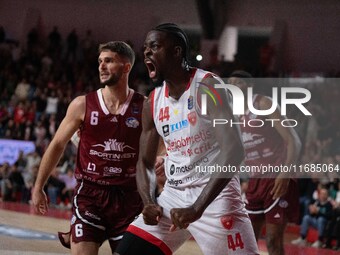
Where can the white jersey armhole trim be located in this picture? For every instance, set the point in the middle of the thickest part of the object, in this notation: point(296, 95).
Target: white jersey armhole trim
point(101, 102)
point(127, 102)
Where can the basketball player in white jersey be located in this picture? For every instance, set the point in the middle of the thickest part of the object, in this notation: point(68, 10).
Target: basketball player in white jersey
point(193, 202)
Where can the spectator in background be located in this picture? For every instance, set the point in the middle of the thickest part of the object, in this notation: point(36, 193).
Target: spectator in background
point(22, 89)
point(52, 126)
point(266, 56)
point(70, 184)
point(88, 45)
point(52, 103)
point(4, 116)
point(40, 134)
point(9, 130)
point(4, 172)
point(307, 186)
point(334, 224)
point(19, 113)
point(28, 131)
point(29, 178)
point(30, 111)
point(54, 188)
point(72, 46)
point(21, 161)
point(320, 212)
point(46, 65)
point(13, 184)
point(54, 42)
point(33, 160)
point(40, 100)
point(32, 40)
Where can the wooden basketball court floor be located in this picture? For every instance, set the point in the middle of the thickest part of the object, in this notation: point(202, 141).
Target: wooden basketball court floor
point(22, 232)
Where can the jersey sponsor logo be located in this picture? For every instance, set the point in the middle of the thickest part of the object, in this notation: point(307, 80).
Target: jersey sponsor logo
point(174, 182)
point(283, 203)
point(183, 142)
point(73, 219)
point(171, 128)
point(252, 140)
point(131, 170)
point(176, 111)
point(277, 216)
point(187, 168)
point(91, 179)
point(114, 119)
point(166, 130)
point(246, 137)
point(252, 155)
point(192, 118)
point(113, 145)
point(112, 170)
point(179, 126)
point(91, 215)
point(198, 175)
point(227, 222)
point(190, 102)
point(132, 122)
point(113, 156)
point(172, 169)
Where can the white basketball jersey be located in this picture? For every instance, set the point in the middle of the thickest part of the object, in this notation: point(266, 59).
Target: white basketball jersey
point(188, 136)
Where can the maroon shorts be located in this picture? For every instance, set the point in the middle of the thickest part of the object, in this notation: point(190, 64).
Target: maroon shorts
point(261, 206)
point(101, 213)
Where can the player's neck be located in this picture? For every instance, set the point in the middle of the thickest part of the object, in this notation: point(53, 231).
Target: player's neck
point(115, 96)
point(178, 83)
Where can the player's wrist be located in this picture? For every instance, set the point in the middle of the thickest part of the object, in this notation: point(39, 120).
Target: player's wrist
point(148, 201)
point(199, 209)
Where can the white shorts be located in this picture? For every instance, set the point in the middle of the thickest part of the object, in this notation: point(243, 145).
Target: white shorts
point(217, 232)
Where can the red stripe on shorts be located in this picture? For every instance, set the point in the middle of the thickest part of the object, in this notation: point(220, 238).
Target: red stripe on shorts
point(150, 238)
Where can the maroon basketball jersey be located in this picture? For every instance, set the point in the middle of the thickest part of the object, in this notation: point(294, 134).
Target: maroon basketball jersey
point(109, 143)
point(263, 145)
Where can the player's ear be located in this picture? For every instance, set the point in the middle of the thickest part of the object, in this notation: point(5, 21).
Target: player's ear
point(127, 67)
point(178, 51)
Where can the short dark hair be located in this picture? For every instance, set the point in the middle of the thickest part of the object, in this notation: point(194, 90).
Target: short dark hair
point(241, 74)
point(177, 34)
point(247, 77)
point(121, 48)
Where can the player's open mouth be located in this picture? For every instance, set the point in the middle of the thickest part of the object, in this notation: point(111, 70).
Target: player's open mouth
point(151, 68)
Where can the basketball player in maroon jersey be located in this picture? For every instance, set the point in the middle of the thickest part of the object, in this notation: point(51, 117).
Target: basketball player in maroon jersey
point(271, 201)
point(106, 199)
